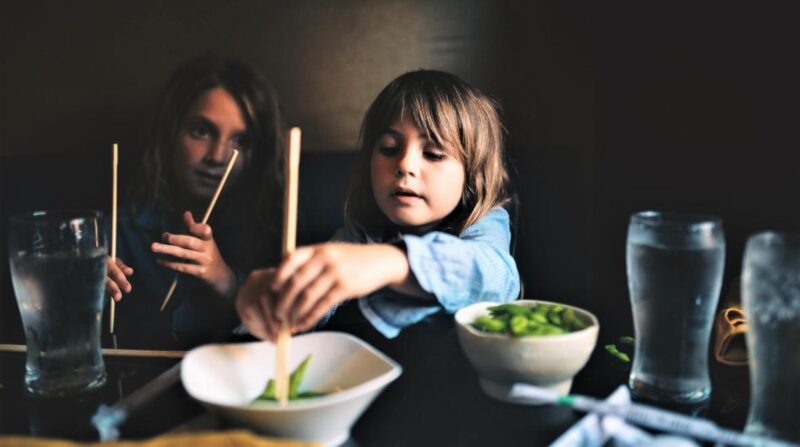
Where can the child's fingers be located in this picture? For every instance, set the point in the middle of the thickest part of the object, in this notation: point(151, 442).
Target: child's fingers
point(178, 252)
point(188, 219)
point(252, 315)
point(113, 289)
point(124, 267)
point(310, 296)
point(335, 295)
point(116, 275)
point(182, 240)
point(201, 230)
point(290, 265)
point(182, 267)
point(295, 285)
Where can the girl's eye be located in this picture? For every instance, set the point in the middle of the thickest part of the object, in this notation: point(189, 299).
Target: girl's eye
point(389, 151)
point(200, 131)
point(434, 155)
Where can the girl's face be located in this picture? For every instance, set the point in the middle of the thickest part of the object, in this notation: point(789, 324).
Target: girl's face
point(213, 127)
point(415, 182)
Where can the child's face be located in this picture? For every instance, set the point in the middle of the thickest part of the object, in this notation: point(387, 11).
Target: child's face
point(415, 182)
point(212, 128)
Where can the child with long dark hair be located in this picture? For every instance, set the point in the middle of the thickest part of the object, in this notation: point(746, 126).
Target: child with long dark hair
point(210, 107)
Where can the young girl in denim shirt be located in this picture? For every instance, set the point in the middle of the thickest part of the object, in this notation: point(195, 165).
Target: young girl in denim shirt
point(426, 231)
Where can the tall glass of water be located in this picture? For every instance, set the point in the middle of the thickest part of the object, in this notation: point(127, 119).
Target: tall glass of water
point(58, 268)
point(674, 265)
point(771, 294)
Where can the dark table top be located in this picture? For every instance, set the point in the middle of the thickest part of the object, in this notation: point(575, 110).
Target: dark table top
point(436, 401)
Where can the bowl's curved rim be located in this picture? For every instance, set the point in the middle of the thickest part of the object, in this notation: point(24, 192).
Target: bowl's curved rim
point(333, 398)
point(594, 326)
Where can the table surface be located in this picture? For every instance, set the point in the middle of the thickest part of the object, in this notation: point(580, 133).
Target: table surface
point(436, 401)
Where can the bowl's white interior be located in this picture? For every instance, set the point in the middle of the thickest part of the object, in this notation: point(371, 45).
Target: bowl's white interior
point(235, 374)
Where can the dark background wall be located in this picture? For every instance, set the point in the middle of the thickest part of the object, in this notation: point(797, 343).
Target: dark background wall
point(611, 107)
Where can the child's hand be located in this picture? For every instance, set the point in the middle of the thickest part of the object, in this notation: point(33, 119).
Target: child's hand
point(254, 303)
point(117, 278)
point(313, 279)
point(202, 256)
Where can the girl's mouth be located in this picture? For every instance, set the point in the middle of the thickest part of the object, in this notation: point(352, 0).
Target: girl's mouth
point(403, 192)
point(404, 195)
point(207, 179)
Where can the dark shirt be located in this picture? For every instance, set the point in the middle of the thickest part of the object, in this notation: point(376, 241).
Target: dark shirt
point(195, 313)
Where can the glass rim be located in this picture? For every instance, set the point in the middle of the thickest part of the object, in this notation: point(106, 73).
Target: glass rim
point(55, 214)
point(769, 237)
point(692, 221)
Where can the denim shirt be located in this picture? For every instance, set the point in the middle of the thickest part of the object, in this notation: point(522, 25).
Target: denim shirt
point(458, 271)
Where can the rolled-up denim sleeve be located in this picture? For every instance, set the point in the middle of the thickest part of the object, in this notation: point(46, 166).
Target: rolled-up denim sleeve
point(458, 270)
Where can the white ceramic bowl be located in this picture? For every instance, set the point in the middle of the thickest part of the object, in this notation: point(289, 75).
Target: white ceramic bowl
point(226, 378)
point(549, 361)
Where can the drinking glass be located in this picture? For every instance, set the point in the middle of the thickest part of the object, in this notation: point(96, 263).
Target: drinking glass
point(771, 295)
point(58, 268)
point(674, 266)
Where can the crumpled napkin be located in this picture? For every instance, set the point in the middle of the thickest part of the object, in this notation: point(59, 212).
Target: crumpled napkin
point(233, 438)
point(730, 347)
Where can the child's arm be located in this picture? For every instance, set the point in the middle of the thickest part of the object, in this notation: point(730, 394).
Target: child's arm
point(313, 279)
point(201, 255)
point(458, 271)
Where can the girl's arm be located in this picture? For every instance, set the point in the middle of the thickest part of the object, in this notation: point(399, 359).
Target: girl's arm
point(458, 271)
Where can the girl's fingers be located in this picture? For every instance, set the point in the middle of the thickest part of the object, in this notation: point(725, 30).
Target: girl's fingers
point(310, 296)
point(182, 267)
point(188, 219)
point(298, 284)
point(182, 240)
point(118, 277)
point(321, 307)
point(113, 290)
point(178, 252)
point(124, 267)
point(289, 265)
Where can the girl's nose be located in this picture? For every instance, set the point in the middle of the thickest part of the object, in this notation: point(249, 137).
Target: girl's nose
point(407, 164)
point(217, 152)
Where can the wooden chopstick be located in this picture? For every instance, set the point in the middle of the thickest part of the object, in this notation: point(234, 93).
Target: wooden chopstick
point(291, 170)
point(114, 165)
point(110, 352)
point(205, 219)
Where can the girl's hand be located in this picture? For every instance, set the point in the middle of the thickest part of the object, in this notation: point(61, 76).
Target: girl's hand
point(315, 278)
point(255, 303)
point(202, 256)
point(117, 278)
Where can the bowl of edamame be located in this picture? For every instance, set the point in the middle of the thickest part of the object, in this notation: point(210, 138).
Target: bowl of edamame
point(526, 341)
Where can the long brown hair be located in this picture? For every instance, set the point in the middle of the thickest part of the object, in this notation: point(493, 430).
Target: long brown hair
point(253, 202)
point(448, 110)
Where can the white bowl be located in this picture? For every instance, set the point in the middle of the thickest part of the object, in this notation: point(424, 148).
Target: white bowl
point(549, 361)
point(226, 378)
